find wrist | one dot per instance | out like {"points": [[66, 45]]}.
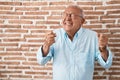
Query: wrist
{"points": [[103, 49], [45, 49]]}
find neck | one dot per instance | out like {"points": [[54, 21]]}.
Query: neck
{"points": [[70, 35]]}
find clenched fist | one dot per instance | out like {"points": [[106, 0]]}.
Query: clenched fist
{"points": [[103, 40], [49, 40]]}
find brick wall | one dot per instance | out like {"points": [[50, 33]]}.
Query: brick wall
{"points": [[24, 23]]}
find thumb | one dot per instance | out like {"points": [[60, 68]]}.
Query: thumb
{"points": [[53, 33]]}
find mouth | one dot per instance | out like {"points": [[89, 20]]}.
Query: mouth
{"points": [[68, 23]]}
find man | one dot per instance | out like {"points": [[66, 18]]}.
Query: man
{"points": [[74, 49]]}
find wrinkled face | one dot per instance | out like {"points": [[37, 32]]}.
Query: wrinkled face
{"points": [[72, 19]]}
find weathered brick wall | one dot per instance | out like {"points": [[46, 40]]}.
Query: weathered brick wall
{"points": [[24, 23]]}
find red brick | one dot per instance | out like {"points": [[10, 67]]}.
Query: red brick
{"points": [[102, 31], [59, 3], [107, 7], [1, 21], [30, 45], [33, 3], [20, 22], [16, 31], [86, 8], [3, 76], [92, 26], [114, 36], [116, 50], [10, 35], [40, 73], [91, 17], [32, 17], [115, 68], [53, 8], [113, 12], [19, 67], [42, 68], [114, 45], [14, 40], [102, 21], [26, 8], [9, 17], [37, 13], [36, 41], [114, 40], [114, 78], [11, 3], [54, 18], [89, 3], [11, 13], [111, 73], [29, 63], [47, 22], [93, 13], [9, 63], [9, 72], [56, 13], [32, 59], [99, 77], [34, 36], [11, 54], [14, 58], [8, 44], [5, 8], [29, 55], [113, 2], [1, 49], [34, 27], [115, 30], [113, 25], [10, 26], [2, 67], [109, 17], [55, 27], [20, 76], [43, 77], [17, 49]]}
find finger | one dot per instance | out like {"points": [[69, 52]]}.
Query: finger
{"points": [[52, 33]]}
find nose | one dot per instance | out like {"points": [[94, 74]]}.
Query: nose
{"points": [[68, 17]]}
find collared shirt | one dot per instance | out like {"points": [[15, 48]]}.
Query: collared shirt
{"points": [[74, 60]]}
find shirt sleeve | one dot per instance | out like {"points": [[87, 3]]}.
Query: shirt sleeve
{"points": [[101, 61], [43, 60]]}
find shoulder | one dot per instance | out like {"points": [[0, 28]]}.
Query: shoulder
{"points": [[89, 32]]}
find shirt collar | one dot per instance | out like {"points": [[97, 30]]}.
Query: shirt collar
{"points": [[79, 32]]}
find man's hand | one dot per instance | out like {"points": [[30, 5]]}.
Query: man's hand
{"points": [[103, 42], [49, 40]]}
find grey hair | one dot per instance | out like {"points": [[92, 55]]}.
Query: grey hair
{"points": [[81, 10]]}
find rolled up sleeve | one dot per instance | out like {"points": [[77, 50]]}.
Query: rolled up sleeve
{"points": [[108, 63], [43, 60], [98, 57]]}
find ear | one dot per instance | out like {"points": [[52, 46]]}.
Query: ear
{"points": [[83, 20]]}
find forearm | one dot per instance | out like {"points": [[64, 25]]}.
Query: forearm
{"points": [[45, 50]]}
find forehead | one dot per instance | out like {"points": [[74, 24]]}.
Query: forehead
{"points": [[73, 9]]}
